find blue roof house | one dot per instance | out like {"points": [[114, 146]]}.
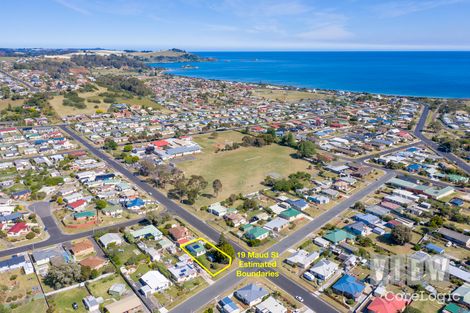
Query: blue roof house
{"points": [[228, 306], [300, 204], [413, 168], [358, 228], [434, 248], [349, 286], [368, 219], [134, 204]]}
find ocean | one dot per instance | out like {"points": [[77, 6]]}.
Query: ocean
{"points": [[428, 74]]}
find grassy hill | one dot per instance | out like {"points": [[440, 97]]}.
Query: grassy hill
{"points": [[168, 56]]}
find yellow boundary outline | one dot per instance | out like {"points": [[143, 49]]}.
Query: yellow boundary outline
{"points": [[198, 262]]}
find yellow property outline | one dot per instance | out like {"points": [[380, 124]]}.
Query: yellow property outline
{"points": [[198, 262]]}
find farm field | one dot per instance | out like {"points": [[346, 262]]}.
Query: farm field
{"points": [[241, 170]]}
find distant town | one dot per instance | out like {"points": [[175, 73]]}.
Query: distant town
{"points": [[124, 188]]}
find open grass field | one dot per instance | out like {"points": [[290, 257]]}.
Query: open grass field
{"points": [[63, 110], [241, 170], [288, 95], [92, 107], [15, 286], [63, 300], [14, 103], [38, 305]]}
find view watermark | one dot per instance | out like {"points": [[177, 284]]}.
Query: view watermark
{"points": [[409, 269]]}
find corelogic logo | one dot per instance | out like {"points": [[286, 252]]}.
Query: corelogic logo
{"points": [[415, 269]]}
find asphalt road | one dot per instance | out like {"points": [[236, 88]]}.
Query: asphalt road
{"points": [[59, 237], [418, 133], [171, 206], [284, 282]]}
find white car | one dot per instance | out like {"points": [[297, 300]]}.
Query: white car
{"points": [[299, 298]]}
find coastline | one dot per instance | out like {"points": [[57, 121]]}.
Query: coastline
{"points": [[419, 74], [170, 71]]}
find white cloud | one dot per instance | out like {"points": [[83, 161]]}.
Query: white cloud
{"points": [[405, 7], [327, 32], [72, 6]]}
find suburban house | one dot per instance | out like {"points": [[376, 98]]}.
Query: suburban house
{"points": [[152, 282], [128, 304], [257, 233], [338, 235], [302, 258], [348, 286], [388, 304], [196, 249], [251, 294], [270, 305], [83, 247], [94, 262], [17, 230], [455, 237], [110, 238], [148, 231], [291, 214], [276, 224], [179, 233], [226, 305], [217, 209], [182, 271], [324, 269]]}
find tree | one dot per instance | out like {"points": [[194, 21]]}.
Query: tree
{"points": [[127, 148], [217, 186], [359, 206], [4, 309], [101, 204], [289, 140], [401, 234], [63, 275], [158, 218], [435, 221], [110, 144], [306, 149], [411, 310], [30, 235]]}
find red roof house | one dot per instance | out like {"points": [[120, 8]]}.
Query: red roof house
{"points": [[77, 205], [388, 304], [18, 229], [160, 143]]}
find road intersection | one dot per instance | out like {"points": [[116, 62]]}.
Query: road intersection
{"points": [[230, 279]]}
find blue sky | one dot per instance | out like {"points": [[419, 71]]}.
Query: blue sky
{"points": [[203, 25]]}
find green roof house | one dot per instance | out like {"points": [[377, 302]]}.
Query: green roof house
{"points": [[257, 233], [454, 308], [338, 235], [146, 232], [290, 214], [84, 215]]}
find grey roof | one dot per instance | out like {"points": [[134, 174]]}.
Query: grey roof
{"points": [[250, 293], [48, 254]]}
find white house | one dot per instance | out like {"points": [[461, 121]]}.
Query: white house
{"points": [[152, 282], [324, 269]]}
